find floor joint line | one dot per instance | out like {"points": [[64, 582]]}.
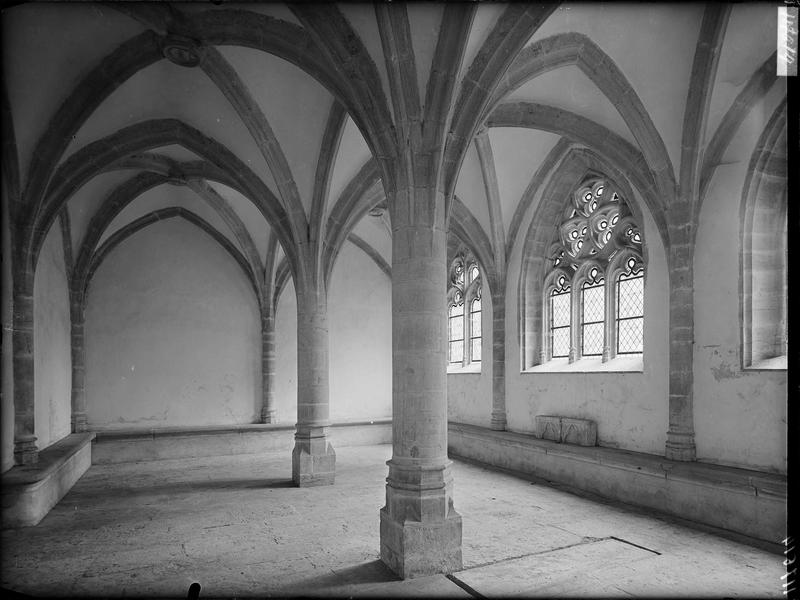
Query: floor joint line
{"points": [[466, 587]]}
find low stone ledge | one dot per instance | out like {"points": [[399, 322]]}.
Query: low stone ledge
{"points": [[30, 491], [751, 503], [135, 445]]}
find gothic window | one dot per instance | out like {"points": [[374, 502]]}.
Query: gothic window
{"points": [[464, 311], [594, 287], [764, 276]]}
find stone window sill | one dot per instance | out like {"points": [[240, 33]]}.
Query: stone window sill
{"points": [[632, 363], [470, 368], [777, 363]]}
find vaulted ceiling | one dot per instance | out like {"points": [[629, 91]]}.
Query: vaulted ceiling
{"points": [[233, 112]]}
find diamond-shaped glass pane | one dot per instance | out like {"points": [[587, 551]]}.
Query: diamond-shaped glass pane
{"points": [[560, 342], [629, 336], [559, 309], [457, 351], [594, 304], [630, 299], [592, 339], [476, 350], [457, 328]]}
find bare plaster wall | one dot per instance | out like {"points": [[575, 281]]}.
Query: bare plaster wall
{"points": [[51, 343], [739, 414], [630, 408], [360, 308], [360, 338], [286, 356], [173, 334], [7, 404], [469, 392]]}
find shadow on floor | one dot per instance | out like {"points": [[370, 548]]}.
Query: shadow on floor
{"points": [[191, 487], [369, 573]]}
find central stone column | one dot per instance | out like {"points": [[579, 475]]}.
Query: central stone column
{"points": [[313, 458], [420, 531]]}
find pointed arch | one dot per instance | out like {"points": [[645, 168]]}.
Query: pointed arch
{"points": [[93, 158], [572, 48], [163, 214]]}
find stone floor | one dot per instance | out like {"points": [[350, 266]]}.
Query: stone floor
{"points": [[237, 526]]}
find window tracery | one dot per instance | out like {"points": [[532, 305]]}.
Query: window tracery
{"points": [[594, 287], [464, 310]]}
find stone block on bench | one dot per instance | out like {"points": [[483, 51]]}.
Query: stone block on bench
{"points": [[566, 430], [581, 432], [548, 427]]}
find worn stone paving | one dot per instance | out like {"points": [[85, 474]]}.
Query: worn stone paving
{"points": [[236, 525]]}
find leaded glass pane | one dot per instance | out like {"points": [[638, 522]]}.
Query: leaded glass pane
{"points": [[476, 350], [457, 351], [457, 328], [629, 336], [594, 303], [592, 339], [475, 323], [559, 309], [560, 342], [630, 298]]}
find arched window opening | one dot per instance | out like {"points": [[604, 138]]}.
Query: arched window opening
{"points": [[475, 328], [596, 278], [593, 305], [560, 318], [764, 277], [464, 311], [630, 308], [456, 329]]}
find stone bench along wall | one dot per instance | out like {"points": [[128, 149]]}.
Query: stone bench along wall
{"points": [[30, 491], [169, 443], [747, 502]]}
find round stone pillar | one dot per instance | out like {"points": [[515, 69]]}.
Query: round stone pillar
{"points": [[313, 458], [419, 529]]}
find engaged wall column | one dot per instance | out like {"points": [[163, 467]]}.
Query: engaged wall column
{"points": [[79, 423], [268, 367], [25, 450]]}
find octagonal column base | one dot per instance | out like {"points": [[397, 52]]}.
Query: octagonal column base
{"points": [[415, 549], [313, 460]]}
